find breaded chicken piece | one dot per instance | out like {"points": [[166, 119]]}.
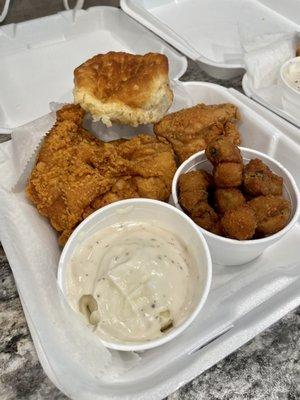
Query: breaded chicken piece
{"points": [[76, 173], [191, 129], [150, 170]]}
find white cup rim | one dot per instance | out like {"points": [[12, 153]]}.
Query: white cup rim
{"points": [[137, 346], [285, 82], [250, 242]]}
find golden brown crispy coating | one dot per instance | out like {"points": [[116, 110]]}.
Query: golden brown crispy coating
{"points": [[272, 213], [228, 199], [193, 189], [240, 223], [195, 180], [259, 180], [231, 133], [207, 218], [221, 150], [76, 173], [70, 112], [126, 88], [191, 129], [227, 175], [193, 195]]}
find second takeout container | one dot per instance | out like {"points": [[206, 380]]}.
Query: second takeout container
{"points": [[236, 252], [216, 34]]}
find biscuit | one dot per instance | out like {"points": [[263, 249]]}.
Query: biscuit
{"points": [[124, 88]]}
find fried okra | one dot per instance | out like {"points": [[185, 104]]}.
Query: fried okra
{"points": [[193, 189], [240, 223], [259, 180], [194, 180], [236, 202], [228, 175], [222, 150], [228, 199], [193, 195], [272, 213], [207, 218]]}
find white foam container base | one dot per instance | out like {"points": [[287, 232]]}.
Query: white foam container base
{"points": [[211, 32], [38, 57], [243, 299]]}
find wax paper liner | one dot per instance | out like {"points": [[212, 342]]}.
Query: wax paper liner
{"points": [[32, 248]]}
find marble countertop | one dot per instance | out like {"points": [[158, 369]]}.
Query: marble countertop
{"points": [[268, 367]]}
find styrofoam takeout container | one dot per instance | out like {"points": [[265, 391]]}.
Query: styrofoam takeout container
{"points": [[242, 301], [213, 33], [50, 48], [236, 252], [217, 34], [164, 216]]}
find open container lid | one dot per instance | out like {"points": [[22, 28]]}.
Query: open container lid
{"points": [[38, 57], [212, 33]]}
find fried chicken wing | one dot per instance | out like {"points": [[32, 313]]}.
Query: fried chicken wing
{"points": [[76, 173], [191, 129]]}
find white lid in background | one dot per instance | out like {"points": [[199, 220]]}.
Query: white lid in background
{"points": [[38, 57], [212, 31]]}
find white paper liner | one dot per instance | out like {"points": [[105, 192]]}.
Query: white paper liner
{"points": [[267, 44], [266, 56], [60, 328]]}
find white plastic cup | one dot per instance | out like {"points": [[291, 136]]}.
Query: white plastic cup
{"points": [[236, 252], [165, 216]]}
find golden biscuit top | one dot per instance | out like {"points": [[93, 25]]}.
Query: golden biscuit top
{"points": [[122, 77]]}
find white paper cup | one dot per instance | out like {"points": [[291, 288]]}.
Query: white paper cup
{"points": [[235, 252], [165, 216]]}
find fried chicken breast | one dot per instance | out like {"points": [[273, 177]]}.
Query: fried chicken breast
{"points": [[76, 173]]}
